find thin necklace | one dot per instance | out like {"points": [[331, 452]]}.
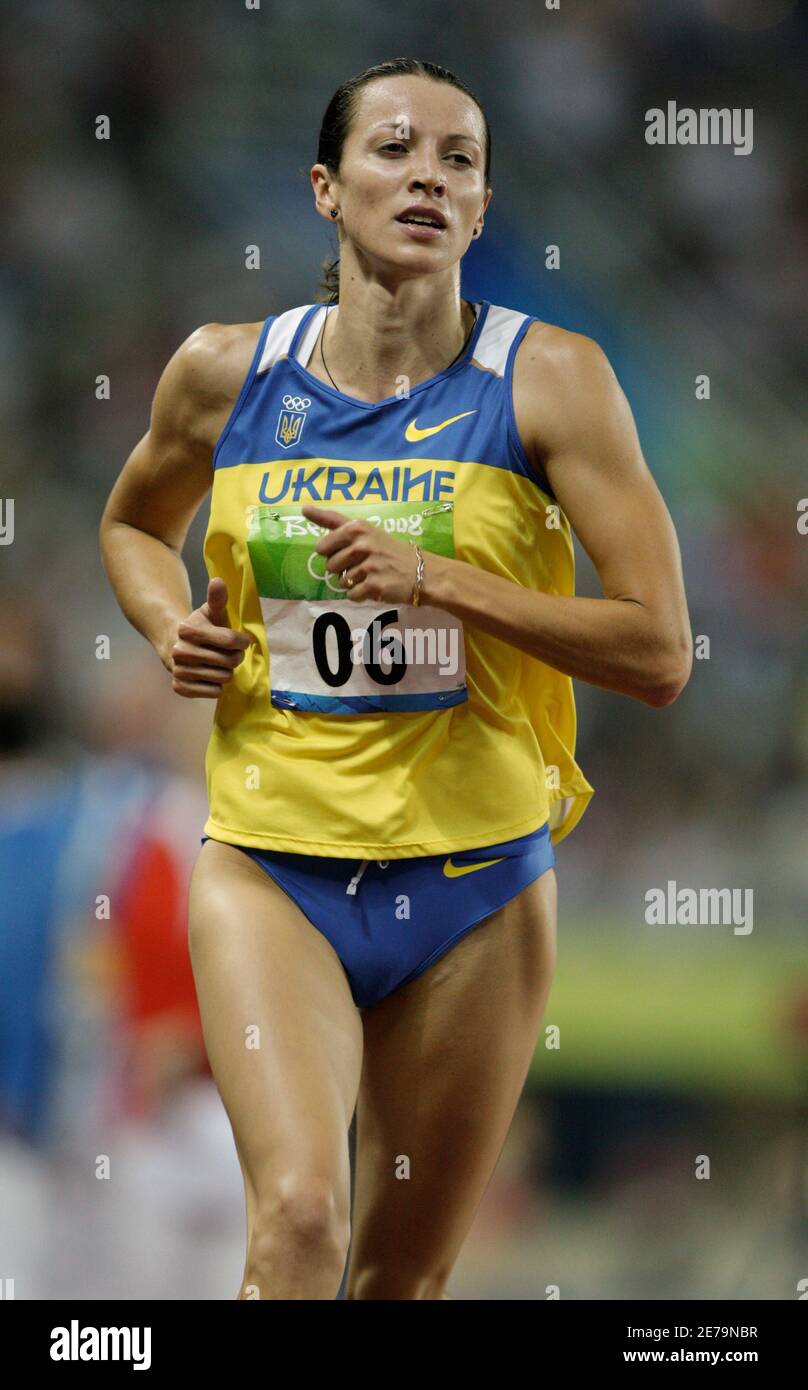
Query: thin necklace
{"points": [[451, 364]]}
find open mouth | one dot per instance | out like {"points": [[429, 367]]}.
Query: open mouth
{"points": [[421, 222], [424, 219]]}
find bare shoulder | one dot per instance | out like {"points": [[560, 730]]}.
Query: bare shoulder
{"points": [[547, 351], [560, 379], [201, 382], [216, 358]]}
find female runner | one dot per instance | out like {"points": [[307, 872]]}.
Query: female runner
{"points": [[390, 634]]}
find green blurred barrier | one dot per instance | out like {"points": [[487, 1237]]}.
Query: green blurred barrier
{"points": [[693, 1009]]}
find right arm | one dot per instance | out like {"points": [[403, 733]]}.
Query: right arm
{"points": [[154, 500]]}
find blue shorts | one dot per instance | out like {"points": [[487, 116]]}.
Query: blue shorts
{"points": [[389, 919]]}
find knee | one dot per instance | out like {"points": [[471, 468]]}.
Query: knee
{"points": [[302, 1212], [397, 1280]]}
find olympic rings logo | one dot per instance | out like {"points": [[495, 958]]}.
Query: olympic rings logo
{"points": [[296, 402], [328, 576]]}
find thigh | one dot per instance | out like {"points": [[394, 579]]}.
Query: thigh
{"points": [[445, 1061], [282, 1032]]}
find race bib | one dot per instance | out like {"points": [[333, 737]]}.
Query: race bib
{"points": [[330, 654]]}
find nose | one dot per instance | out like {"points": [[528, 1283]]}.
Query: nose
{"points": [[432, 181]]}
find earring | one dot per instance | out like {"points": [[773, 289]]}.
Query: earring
{"points": [[334, 212]]}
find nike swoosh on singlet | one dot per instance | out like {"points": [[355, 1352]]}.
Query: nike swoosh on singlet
{"points": [[413, 434], [455, 870]]}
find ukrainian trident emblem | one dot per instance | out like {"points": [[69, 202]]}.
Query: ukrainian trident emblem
{"points": [[290, 420]]}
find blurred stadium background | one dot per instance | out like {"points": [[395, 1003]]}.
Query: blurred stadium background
{"points": [[675, 1041]]}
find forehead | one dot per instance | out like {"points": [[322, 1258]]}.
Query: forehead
{"points": [[427, 104]]}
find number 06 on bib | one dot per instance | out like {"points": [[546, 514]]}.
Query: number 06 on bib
{"points": [[330, 654]]}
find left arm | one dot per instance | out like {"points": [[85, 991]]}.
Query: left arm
{"points": [[635, 640]]}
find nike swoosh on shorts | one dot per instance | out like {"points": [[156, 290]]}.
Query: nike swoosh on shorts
{"points": [[455, 870]]}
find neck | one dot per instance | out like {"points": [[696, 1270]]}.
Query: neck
{"points": [[378, 334]]}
